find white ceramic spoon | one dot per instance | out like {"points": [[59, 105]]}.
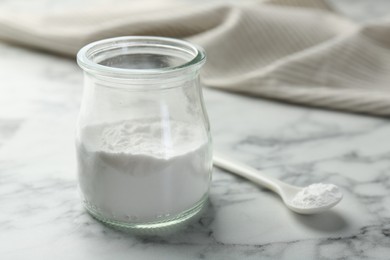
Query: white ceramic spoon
{"points": [[286, 192]]}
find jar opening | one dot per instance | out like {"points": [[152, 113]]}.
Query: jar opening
{"points": [[138, 56]]}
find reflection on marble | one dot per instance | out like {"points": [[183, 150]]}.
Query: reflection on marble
{"points": [[41, 214]]}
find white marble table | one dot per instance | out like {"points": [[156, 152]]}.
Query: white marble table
{"points": [[41, 216]]}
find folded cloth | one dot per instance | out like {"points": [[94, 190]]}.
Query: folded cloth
{"points": [[296, 51]]}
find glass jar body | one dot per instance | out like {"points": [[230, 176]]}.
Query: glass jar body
{"points": [[143, 149]]}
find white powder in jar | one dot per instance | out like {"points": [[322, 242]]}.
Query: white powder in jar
{"points": [[142, 171], [317, 195]]}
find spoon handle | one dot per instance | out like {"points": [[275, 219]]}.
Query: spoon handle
{"points": [[246, 172]]}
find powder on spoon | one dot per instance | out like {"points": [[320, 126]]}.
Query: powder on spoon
{"points": [[317, 195]]}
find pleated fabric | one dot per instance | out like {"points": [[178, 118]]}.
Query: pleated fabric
{"points": [[298, 51]]}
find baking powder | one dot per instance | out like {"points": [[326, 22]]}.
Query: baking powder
{"points": [[317, 195], [143, 170]]}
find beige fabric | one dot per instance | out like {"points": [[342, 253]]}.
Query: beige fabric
{"points": [[291, 50]]}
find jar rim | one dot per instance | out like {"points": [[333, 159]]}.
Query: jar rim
{"points": [[86, 53]]}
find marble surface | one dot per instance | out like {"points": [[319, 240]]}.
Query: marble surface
{"points": [[41, 216]]}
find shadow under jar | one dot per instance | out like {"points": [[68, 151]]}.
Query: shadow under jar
{"points": [[143, 137]]}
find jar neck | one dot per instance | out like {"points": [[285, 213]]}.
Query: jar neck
{"points": [[140, 84], [135, 62]]}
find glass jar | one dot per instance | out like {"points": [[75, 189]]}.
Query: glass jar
{"points": [[143, 137]]}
